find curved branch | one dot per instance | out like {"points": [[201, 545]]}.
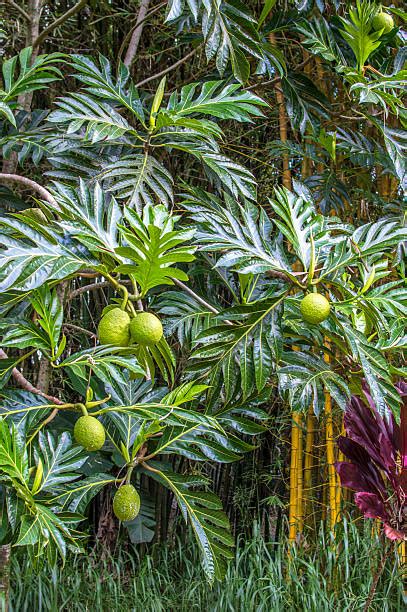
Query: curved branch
{"points": [[166, 70], [25, 384], [44, 193], [93, 287], [79, 329], [75, 9], [86, 288], [20, 9]]}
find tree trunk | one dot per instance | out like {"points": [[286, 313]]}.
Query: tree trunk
{"points": [[5, 554], [9, 166], [33, 30], [136, 36]]}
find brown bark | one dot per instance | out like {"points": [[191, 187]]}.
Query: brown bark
{"points": [[44, 375], [137, 32], [283, 124], [5, 553], [16, 178], [22, 382], [33, 30]]}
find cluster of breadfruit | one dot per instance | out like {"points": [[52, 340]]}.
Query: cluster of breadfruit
{"points": [[90, 433], [117, 328]]}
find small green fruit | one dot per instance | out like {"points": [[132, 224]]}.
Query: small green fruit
{"points": [[114, 328], [89, 433], [146, 329], [315, 308], [126, 503], [383, 21]]}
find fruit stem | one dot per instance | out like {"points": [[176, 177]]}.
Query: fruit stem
{"points": [[83, 409], [125, 293], [129, 473], [97, 402]]}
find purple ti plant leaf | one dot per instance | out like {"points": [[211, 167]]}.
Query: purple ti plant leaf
{"points": [[377, 468]]}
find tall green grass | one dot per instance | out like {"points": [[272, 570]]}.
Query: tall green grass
{"points": [[262, 578]]}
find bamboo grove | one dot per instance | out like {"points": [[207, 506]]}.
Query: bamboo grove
{"points": [[211, 164]]}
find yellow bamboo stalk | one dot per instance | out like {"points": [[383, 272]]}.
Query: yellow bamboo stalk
{"points": [[309, 458], [300, 484], [339, 491], [324, 502], [402, 551], [330, 457], [294, 472]]}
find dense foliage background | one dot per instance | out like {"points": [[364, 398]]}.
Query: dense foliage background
{"points": [[210, 162]]}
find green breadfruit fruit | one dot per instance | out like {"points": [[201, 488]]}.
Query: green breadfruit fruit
{"points": [[114, 328], [126, 503], [383, 21], [315, 308], [146, 329], [89, 433]]}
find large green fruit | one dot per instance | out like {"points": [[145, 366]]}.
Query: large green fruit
{"points": [[126, 503], [315, 308], [114, 328], [383, 21], [146, 329], [89, 433]]}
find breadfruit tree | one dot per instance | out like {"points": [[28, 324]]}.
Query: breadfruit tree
{"points": [[212, 301]]}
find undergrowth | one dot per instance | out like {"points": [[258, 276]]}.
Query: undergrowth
{"points": [[264, 577]]}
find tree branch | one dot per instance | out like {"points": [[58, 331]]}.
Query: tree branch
{"points": [[19, 9], [93, 287], [166, 70], [196, 297], [137, 32], [25, 384], [80, 329], [44, 193], [72, 11]]}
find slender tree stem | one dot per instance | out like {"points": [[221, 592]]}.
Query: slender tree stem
{"points": [[376, 578], [169, 69], [149, 468], [86, 288], [137, 32], [20, 9], [44, 193], [80, 329], [55, 24], [283, 123], [5, 553], [196, 297]]}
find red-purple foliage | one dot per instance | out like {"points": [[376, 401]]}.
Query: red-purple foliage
{"points": [[377, 471]]}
